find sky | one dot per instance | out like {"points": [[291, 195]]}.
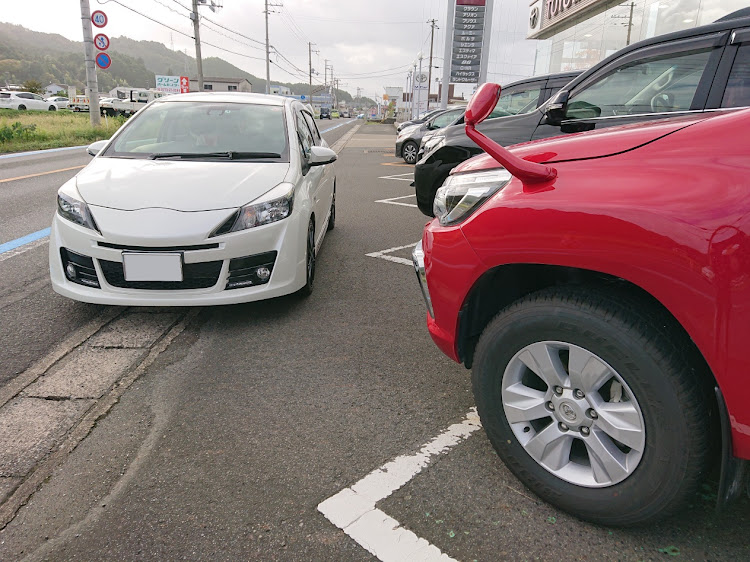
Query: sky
{"points": [[370, 43]]}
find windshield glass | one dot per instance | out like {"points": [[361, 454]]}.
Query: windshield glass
{"points": [[204, 128]]}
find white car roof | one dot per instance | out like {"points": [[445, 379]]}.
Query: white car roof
{"points": [[231, 97]]}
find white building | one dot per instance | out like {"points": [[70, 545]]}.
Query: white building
{"points": [[280, 90], [214, 84]]}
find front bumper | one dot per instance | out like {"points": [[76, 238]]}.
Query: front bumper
{"points": [[399, 148], [205, 263], [447, 268]]}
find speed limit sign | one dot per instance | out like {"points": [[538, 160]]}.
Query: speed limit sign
{"points": [[99, 18]]}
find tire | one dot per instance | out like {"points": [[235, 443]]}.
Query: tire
{"points": [[307, 289], [52, 108], [332, 214], [409, 152], [21, 107], [635, 358]]}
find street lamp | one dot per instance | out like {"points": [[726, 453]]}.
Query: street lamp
{"points": [[413, 83], [420, 56]]}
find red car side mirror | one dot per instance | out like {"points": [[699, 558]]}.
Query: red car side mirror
{"points": [[481, 105]]}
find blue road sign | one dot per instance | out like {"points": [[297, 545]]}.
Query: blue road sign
{"points": [[103, 60]]}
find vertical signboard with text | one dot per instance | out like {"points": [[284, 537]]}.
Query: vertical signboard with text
{"points": [[468, 41]]}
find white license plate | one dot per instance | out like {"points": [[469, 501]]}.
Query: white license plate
{"points": [[152, 266]]}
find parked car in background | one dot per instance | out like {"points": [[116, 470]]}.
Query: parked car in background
{"points": [[139, 226], [518, 98], [345, 114], [419, 120], [360, 116], [689, 71], [598, 286], [25, 100], [59, 101], [335, 113], [407, 141], [325, 112]]}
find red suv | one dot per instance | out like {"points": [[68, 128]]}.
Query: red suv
{"points": [[599, 286]]}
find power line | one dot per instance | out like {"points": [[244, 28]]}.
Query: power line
{"points": [[206, 26], [147, 17], [361, 21], [233, 31]]}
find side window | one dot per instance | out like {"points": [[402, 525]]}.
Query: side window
{"points": [[654, 85], [304, 135], [737, 93], [25, 96], [38, 97], [444, 120], [313, 128], [516, 101]]}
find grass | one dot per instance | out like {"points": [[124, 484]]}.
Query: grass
{"points": [[35, 130]]}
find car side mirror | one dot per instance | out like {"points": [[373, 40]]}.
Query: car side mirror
{"points": [[557, 108], [96, 147], [320, 155], [482, 103]]}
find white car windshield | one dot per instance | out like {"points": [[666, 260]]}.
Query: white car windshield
{"points": [[204, 130]]}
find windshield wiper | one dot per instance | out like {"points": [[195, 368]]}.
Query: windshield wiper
{"points": [[230, 155]]}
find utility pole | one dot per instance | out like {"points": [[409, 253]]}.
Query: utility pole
{"points": [[92, 87], [268, 54], [197, 34], [309, 53], [629, 24], [433, 24]]}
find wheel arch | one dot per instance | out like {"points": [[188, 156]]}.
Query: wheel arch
{"points": [[502, 285]]}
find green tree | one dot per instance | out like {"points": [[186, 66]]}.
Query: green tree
{"points": [[33, 86]]}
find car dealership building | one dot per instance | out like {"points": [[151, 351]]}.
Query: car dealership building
{"points": [[580, 33]]}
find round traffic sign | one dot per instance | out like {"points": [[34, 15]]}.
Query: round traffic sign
{"points": [[99, 18], [103, 60], [101, 42]]}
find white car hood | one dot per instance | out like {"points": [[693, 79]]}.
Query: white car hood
{"points": [[130, 184]]}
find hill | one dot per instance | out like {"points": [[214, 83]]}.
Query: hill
{"points": [[51, 58]]}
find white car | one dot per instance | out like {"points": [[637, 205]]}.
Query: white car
{"points": [[25, 100], [200, 199], [59, 101]]}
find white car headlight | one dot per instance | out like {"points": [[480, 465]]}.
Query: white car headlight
{"points": [[461, 194], [274, 205], [72, 207]]}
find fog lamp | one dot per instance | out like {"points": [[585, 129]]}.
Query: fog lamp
{"points": [[263, 273]]}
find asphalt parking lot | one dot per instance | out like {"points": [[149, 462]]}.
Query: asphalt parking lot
{"points": [[222, 432]]}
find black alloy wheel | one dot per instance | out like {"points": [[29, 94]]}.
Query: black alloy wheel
{"points": [[597, 402], [21, 107], [307, 289], [52, 108], [332, 215], [409, 152]]}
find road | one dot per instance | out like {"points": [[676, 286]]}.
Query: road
{"points": [[216, 433]]}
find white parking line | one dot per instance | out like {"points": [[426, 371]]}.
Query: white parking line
{"points": [[394, 201], [353, 509], [399, 177], [383, 254]]}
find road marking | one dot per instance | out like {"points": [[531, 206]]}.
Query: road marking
{"points": [[383, 255], [32, 152], [397, 164], [42, 173], [353, 509], [23, 244], [398, 177], [337, 126], [393, 201]]}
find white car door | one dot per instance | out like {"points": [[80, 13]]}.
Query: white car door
{"points": [[328, 178], [39, 103], [313, 175]]}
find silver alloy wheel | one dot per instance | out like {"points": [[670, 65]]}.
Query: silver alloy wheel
{"points": [[573, 414], [410, 152]]}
